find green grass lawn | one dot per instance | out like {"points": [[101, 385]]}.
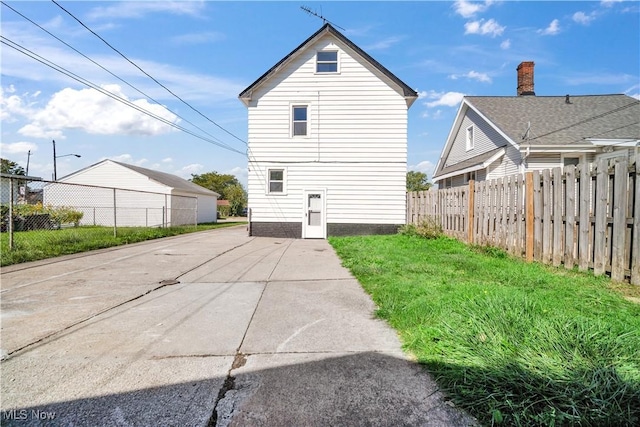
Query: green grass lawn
{"points": [[513, 343], [42, 244]]}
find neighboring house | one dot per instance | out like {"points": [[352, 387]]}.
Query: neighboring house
{"points": [[155, 198], [327, 143], [497, 136]]}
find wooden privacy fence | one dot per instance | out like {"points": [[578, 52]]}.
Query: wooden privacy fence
{"points": [[586, 215]]}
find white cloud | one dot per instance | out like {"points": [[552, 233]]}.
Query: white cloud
{"points": [[384, 44], [467, 9], [138, 9], [95, 113], [599, 78], [424, 166], [490, 27], [128, 159], [473, 75], [505, 44], [434, 115], [552, 29], [186, 171], [190, 85], [17, 147], [633, 91], [167, 160], [583, 18], [609, 3], [198, 38], [448, 99]]}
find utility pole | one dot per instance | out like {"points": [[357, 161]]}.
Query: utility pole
{"points": [[28, 158], [55, 174]]}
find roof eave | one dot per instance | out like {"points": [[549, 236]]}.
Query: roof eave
{"points": [[409, 94]]}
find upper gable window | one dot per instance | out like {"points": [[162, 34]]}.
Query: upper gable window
{"points": [[299, 122], [327, 62], [470, 142]]}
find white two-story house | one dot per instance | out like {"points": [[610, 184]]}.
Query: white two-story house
{"points": [[327, 143]]}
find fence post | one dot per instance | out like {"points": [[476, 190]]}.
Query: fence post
{"points": [[10, 225], [115, 215], [470, 217], [635, 233], [529, 215], [620, 194], [602, 181]]}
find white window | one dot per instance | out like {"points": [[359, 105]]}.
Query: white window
{"points": [[276, 181], [299, 120], [470, 138], [448, 182], [327, 62]]}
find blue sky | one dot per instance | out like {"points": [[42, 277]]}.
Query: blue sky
{"points": [[208, 52]]}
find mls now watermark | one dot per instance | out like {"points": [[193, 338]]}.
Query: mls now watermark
{"points": [[27, 414]]}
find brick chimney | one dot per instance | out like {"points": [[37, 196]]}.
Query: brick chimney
{"points": [[525, 78]]}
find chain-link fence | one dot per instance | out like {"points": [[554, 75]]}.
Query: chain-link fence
{"points": [[35, 209]]}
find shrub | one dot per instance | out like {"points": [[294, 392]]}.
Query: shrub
{"points": [[429, 228], [57, 214]]}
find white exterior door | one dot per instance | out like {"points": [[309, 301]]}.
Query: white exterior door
{"points": [[314, 224]]}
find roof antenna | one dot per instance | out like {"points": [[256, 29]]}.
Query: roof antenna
{"points": [[319, 15]]}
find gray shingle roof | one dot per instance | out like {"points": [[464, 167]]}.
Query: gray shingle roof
{"points": [[472, 162], [554, 122], [169, 180]]}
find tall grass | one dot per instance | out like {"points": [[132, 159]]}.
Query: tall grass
{"points": [[42, 244], [511, 342]]}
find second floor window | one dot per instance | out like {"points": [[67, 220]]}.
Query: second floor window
{"points": [[299, 124], [327, 62]]}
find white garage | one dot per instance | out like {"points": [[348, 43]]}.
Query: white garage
{"points": [[111, 192]]}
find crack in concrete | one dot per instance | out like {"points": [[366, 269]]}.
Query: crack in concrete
{"points": [[228, 396]]}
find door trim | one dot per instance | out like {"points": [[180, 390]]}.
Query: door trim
{"points": [[323, 193]]}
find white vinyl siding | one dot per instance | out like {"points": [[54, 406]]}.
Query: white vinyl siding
{"points": [[485, 138], [356, 147], [353, 116], [356, 193]]}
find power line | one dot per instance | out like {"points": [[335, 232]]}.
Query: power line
{"points": [[68, 73], [598, 116], [147, 74], [111, 73]]}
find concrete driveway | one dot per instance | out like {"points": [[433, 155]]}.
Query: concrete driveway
{"points": [[211, 328]]}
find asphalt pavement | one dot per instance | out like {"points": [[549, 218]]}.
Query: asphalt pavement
{"points": [[214, 328]]}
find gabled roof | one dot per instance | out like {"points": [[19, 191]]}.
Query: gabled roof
{"points": [[553, 121], [169, 180], [402, 87], [549, 121], [163, 178]]}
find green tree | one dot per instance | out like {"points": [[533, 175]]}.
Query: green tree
{"points": [[417, 181], [216, 182], [237, 198], [7, 166], [227, 186]]}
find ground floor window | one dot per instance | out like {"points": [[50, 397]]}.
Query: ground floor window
{"points": [[275, 181]]}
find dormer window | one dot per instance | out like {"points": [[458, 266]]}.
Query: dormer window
{"points": [[327, 62]]}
